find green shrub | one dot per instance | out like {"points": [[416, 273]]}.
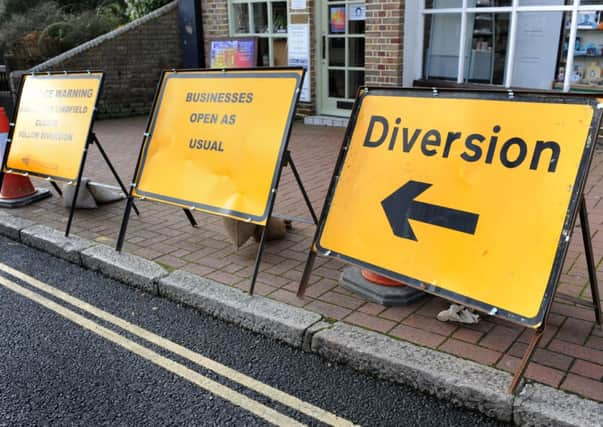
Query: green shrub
{"points": [[138, 8]]}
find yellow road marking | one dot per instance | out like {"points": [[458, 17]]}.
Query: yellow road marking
{"points": [[232, 374], [213, 387]]}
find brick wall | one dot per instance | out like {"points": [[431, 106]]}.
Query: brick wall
{"points": [[132, 58], [384, 42]]}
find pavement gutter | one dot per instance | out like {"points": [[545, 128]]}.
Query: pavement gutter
{"points": [[463, 382]]}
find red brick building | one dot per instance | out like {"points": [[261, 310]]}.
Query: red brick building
{"points": [[540, 44]]}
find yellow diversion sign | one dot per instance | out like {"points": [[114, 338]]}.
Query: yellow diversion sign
{"points": [[217, 139], [53, 121], [473, 199]]}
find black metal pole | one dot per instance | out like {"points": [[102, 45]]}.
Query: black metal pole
{"points": [[301, 187], [258, 258], [113, 171], [124, 224], [590, 261], [56, 187], [190, 217], [77, 186]]}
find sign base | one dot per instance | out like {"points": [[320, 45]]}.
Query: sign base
{"points": [[26, 200], [389, 296]]}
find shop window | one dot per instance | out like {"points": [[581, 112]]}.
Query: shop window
{"points": [[267, 20], [533, 44]]}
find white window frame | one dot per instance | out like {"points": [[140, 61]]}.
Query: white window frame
{"points": [[270, 34], [514, 10]]}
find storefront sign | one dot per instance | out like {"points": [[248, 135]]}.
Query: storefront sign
{"points": [[216, 140], [53, 122], [472, 199], [299, 54]]}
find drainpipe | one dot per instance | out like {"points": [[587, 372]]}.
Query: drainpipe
{"points": [[191, 33]]}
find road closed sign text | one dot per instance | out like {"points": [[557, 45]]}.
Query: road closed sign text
{"points": [[469, 198], [216, 140], [53, 121]]}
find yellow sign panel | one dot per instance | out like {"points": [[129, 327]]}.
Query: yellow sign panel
{"points": [[471, 199], [216, 140], [54, 117]]}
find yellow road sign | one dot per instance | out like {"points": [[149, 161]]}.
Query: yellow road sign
{"points": [[217, 139], [53, 122], [472, 199]]}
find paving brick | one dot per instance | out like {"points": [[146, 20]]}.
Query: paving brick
{"points": [[584, 386], [170, 261], [398, 314], [595, 342], [289, 298], [342, 300], [543, 356], [587, 369], [470, 351], [575, 331], [534, 371], [469, 335], [372, 308], [321, 287], [577, 351], [430, 324], [500, 338], [417, 336], [370, 322], [328, 310]]}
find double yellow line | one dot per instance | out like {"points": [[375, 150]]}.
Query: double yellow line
{"points": [[206, 383]]}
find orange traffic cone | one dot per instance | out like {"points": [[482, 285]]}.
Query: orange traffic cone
{"points": [[17, 190]]}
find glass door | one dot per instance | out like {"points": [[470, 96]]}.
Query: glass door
{"points": [[342, 49]]}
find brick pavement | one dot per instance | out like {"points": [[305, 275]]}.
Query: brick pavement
{"points": [[570, 356]]}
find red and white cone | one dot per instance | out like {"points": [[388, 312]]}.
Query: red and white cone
{"points": [[17, 190]]}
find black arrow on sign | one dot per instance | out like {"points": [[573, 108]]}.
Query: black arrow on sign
{"points": [[400, 206]]}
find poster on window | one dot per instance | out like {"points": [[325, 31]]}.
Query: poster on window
{"points": [[233, 53], [357, 12], [338, 19], [299, 54]]}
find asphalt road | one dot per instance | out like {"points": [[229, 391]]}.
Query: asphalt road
{"points": [[65, 362]]}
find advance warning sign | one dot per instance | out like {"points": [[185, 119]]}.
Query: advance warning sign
{"points": [[217, 139], [53, 121], [471, 199]]}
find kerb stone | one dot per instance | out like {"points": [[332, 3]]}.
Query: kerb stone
{"points": [[539, 405], [55, 243], [259, 314], [11, 226], [463, 382], [126, 268]]}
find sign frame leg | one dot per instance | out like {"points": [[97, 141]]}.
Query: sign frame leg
{"points": [[258, 257], [124, 223], [77, 185], [590, 261], [113, 171], [526, 360], [289, 162], [190, 217]]}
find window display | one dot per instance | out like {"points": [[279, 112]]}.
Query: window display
{"points": [[266, 20]]}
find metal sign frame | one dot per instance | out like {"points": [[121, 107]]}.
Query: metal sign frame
{"points": [[283, 159], [577, 205], [90, 139]]}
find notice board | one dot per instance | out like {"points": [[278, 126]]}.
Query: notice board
{"points": [[216, 140], [54, 114], [471, 196]]}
